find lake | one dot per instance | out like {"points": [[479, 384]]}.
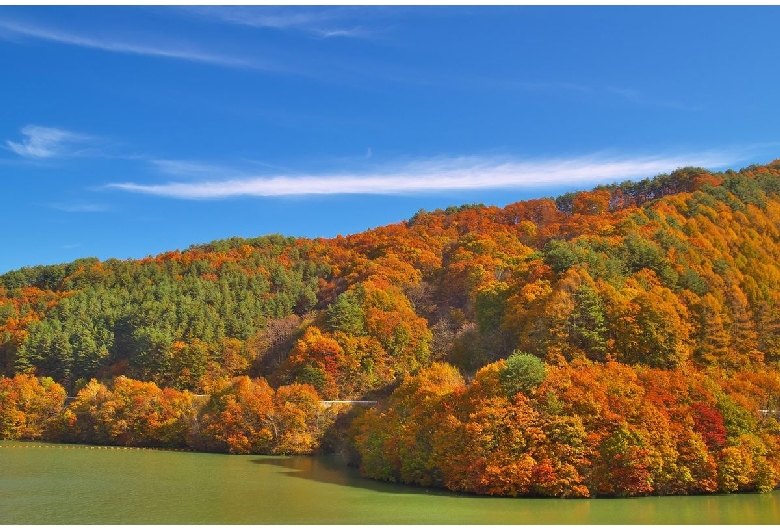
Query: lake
{"points": [[44, 483]]}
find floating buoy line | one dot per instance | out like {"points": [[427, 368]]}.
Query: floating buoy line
{"points": [[95, 447]]}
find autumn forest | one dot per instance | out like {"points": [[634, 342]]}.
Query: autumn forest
{"points": [[620, 341]]}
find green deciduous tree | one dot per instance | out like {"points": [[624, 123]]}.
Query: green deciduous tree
{"points": [[522, 372]]}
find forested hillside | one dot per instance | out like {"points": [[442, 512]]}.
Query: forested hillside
{"points": [[618, 341]]}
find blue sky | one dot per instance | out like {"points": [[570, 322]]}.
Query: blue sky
{"points": [[130, 131]]}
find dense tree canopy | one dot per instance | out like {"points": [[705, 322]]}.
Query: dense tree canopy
{"points": [[671, 281]]}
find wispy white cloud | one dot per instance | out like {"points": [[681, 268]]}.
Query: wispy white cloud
{"points": [[353, 32], [441, 174], [322, 22], [136, 48], [48, 142], [341, 21]]}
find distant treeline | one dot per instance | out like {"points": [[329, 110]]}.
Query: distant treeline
{"points": [[241, 416]]}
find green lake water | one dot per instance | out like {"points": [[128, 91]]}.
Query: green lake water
{"points": [[62, 484]]}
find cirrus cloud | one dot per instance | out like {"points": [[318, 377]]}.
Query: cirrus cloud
{"points": [[186, 53], [48, 142], [437, 175], [339, 21]]}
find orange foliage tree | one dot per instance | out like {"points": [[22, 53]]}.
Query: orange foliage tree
{"points": [[29, 407]]}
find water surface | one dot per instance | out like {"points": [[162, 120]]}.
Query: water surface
{"points": [[63, 484]]}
